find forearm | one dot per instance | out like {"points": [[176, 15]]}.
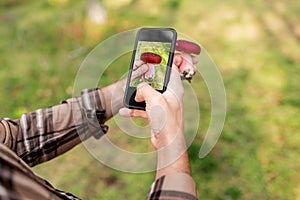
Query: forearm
{"points": [[43, 134], [173, 158], [112, 98], [173, 175]]}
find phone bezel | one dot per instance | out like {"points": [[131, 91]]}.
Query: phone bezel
{"points": [[151, 35]]}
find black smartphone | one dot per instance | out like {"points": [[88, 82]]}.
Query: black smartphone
{"points": [[155, 47]]}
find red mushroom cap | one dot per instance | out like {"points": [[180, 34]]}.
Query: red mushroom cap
{"points": [[188, 47], [149, 57]]}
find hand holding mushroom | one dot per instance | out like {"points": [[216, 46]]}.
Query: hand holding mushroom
{"points": [[188, 50], [187, 69]]}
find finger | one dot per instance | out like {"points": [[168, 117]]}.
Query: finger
{"points": [[175, 83], [137, 64], [125, 112], [177, 60], [145, 93], [139, 71]]}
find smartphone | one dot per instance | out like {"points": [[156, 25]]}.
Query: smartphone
{"points": [[155, 47]]}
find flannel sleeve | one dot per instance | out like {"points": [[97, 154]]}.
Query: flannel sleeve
{"points": [[179, 186], [18, 181], [46, 133]]}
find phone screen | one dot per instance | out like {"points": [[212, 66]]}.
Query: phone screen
{"points": [[154, 47], [156, 74]]}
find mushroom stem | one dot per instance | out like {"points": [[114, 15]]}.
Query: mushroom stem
{"points": [[187, 67], [187, 57], [151, 71]]}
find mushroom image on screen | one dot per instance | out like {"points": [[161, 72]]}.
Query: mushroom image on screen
{"points": [[187, 49], [152, 60]]}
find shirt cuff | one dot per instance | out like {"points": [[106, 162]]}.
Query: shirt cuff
{"points": [[94, 112], [179, 186]]}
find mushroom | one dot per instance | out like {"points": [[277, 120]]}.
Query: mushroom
{"points": [[187, 49], [151, 59]]}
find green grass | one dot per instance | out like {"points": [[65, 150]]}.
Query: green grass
{"points": [[256, 46]]}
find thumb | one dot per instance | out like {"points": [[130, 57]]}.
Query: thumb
{"points": [[177, 60], [145, 93]]}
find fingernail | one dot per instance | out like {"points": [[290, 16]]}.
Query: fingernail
{"points": [[177, 60], [144, 68], [123, 111]]}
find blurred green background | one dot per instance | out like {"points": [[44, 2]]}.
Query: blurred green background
{"points": [[256, 45]]}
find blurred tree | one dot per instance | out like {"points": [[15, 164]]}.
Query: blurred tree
{"points": [[96, 12]]}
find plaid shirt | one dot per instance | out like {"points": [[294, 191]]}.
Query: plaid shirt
{"points": [[46, 133]]}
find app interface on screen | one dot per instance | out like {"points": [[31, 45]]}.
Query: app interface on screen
{"points": [[155, 55]]}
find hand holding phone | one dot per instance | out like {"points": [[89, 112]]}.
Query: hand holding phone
{"points": [[154, 47], [164, 111]]}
